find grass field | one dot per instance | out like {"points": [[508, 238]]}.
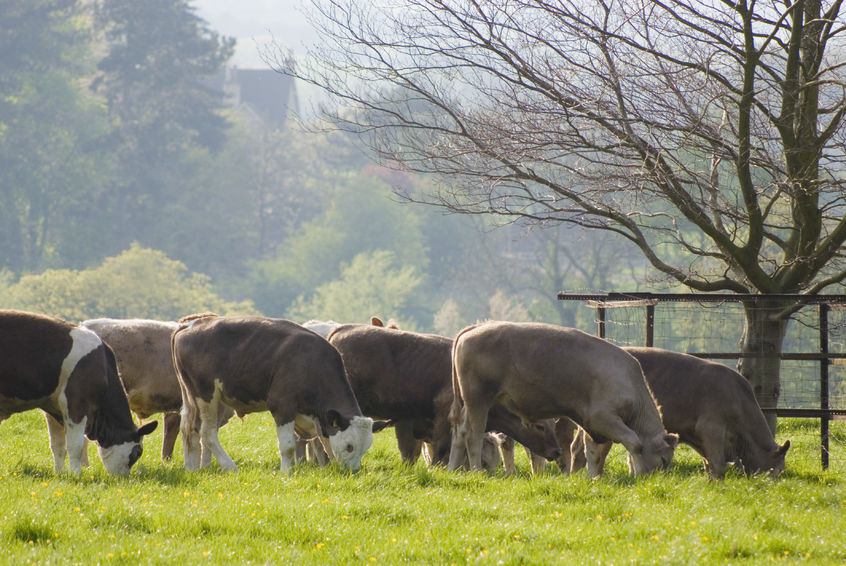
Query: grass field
{"points": [[393, 514]]}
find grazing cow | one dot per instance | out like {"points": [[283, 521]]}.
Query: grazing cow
{"points": [[406, 377], [713, 409], [263, 364], [67, 372], [541, 371], [145, 367]]}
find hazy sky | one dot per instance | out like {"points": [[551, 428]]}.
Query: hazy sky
{"points": [[258, 22]]}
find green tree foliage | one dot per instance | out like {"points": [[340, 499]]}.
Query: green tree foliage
{"points": [[448, 320], [360, 218], [140, 282], [154, 77], [50, 171], [372, 284]]}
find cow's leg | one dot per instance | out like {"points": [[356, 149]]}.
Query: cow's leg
{"points": [[171, 430], [75, 442], [577, 452], [300, 450], [507, 450], [57, 443], [409, 447], [537, 462], [209, 440], [441, 441], [287, 445], [595, 454], [564, 429], [610, 427], [189, 429], [315, 451], [474, 424], [715, 451]]}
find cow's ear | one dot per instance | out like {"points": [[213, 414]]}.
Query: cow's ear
{"points": [[672, 440], [381, 425], [782, 450], [147, 428], [337, 420], [376, 321]]}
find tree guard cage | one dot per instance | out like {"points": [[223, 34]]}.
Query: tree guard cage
{"points": [[825, 304]]}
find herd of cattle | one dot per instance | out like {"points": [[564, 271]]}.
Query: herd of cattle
{"points": [[565, 395]]}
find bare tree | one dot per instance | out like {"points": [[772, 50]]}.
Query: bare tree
{"points": [[708, 133]]}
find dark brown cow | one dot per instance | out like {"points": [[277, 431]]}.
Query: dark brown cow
{"points": [[145, 367], [264, 364], [405, 377], [541, 371], [67, 372], [713, 409]]}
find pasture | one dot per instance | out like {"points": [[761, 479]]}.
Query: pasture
{"points": [[393, 514]]}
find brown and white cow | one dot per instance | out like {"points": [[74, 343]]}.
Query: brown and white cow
{"points": [[713, 409], [540, 371], [67, 372], [405, 377], [263, 364], [145, 366]]}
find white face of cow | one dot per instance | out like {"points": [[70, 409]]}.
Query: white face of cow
{"points": [[118, 459], [350, 444]]}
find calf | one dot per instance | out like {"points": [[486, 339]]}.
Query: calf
{"points": [[145, 367], [713, 409], [67, 372], [263, 364], [406, 377], [541, 371]]}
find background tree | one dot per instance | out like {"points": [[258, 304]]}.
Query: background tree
{"points": [[155, 78], [371, 284], [710, 135], [139, 282], [50, 169]]}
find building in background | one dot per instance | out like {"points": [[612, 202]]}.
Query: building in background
{"points": [[265, 96]]}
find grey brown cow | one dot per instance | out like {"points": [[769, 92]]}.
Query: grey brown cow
{"points": [[145, 367], [713, 409], [405, 377], [71, 375], [265, 364], [541, 371]]}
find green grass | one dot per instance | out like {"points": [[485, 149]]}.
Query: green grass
{"points": [[392, 514]]}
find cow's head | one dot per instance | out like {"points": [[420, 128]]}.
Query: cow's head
{"points": [[656, 453], [349, 438], [778, 459], [772, 462], [119, 458]]}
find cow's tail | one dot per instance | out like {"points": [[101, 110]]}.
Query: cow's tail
{"points": [[188, 414], [457, 406]]}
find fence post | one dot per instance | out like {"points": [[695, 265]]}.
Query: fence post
{"points": [[600, 320], [824, 400], [650, 325]]}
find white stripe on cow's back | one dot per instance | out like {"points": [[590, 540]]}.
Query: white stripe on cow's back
{"points": [[85, 341]]}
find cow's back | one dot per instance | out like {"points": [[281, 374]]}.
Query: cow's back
{"points": [[689, 389], [145, 361], [248, 355], [394, 373], [544, 368], [33, 348]]}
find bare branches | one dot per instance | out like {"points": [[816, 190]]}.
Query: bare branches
{"points": [[707, 133]]}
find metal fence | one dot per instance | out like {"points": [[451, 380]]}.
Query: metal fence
{"points": [[813, 362]]}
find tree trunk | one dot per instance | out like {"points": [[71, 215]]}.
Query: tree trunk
{"points": [[762, 340]]}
